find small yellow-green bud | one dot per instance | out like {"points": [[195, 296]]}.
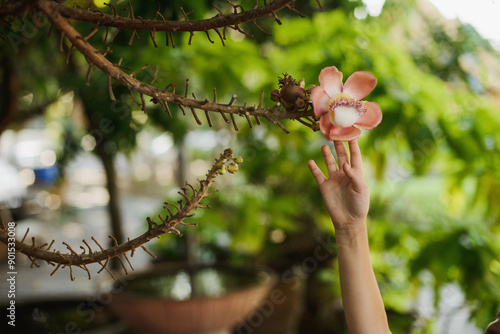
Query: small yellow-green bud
{"points": [[238, 160], [232, 168], [222, 169]]}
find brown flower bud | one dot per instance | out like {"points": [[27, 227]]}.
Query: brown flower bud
{"points": [[290, 93], [275, 95]]}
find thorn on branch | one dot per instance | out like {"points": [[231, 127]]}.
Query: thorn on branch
{"points": [[92, 33], [87, 270], [87, 77], [113, 9], [158, 13], [319, 4], [175, 206], [102, 249], [215, 95], [114, 240], [146, 250], [168, 86], [134, 33], [69, 53], [233, 98], [131, 12], [25, 234], [106, 35], [220, 36], [105, 266], [153, 37], [184, 194], [165, 206], [165, 107], [236, 128], [88, 246], [71, 249], [208, 36], [133, 96], [289, 6], [50, 246], [71, 272], [281, 126], [192, 188], [188, 224], [143, 102], [235, 7], [182, 109], [249, 121], [151, 224], [110, 89], [194, 113], [184, 16], [187, 88], [154, 76], [123, 265], [209, 120], [126, 258], [170, 35], [260, 28], [163, 220], [57, 267], [114, 35], [61, 42], [275, 17]]}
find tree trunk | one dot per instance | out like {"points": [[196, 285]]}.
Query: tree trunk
{"points": [[115, 216], [10, 92], [113, 207]]}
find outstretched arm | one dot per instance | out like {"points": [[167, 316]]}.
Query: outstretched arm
{"points": [[347, 199]]}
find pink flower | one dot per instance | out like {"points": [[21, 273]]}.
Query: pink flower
{"points": [[339, 109]]}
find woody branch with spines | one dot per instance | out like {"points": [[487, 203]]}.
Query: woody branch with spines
{"points": [[167, 224], [57, 15], [295, 102]]}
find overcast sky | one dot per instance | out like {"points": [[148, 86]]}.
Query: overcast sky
{"points": [[484, 15]]}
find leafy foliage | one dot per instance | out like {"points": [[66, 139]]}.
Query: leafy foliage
{"points": [[431, 163]]}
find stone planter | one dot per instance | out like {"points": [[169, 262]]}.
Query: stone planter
{"points": [[202, 300]]}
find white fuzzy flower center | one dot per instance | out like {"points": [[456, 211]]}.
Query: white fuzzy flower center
{"points": [[344, 116], [344, 110]]}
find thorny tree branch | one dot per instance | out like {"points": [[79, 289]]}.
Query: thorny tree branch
{"points": [[114, 71], [139, 24], [167, 225]]}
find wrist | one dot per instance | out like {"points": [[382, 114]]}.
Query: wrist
{"points": [[349, 234]]}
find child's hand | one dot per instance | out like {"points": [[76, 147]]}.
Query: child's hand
{"points": [[345, 193]]}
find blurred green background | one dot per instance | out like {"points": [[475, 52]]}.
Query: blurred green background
{"points": [[432, 164]]}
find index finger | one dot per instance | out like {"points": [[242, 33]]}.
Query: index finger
{"points": [[316, 172], [356, 160]]}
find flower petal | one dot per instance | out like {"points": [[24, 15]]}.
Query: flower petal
{"points": [[319, 99], [371, 118], [360, 84], [343, 134], [325, 125], [331, 80]]}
